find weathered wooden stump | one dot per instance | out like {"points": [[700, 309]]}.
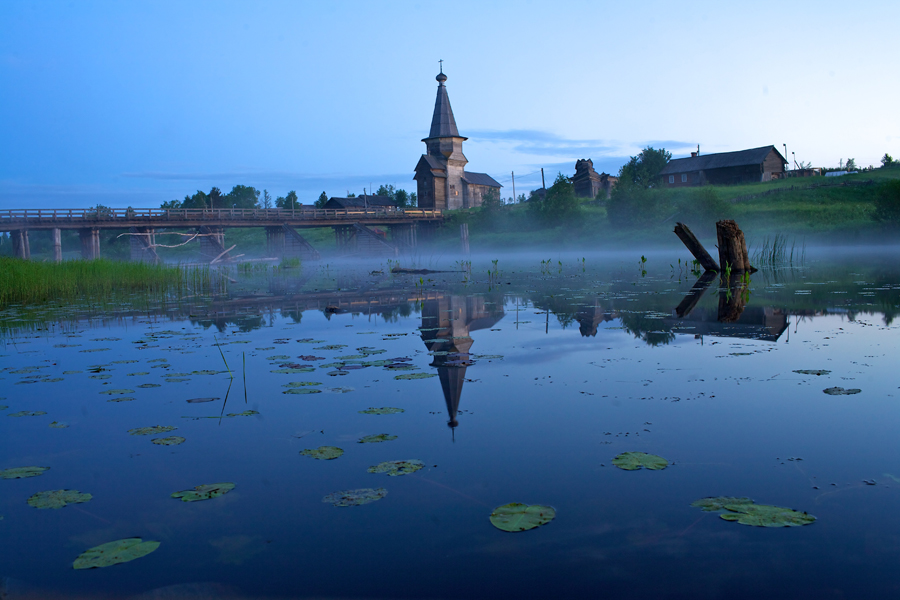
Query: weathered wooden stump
{"points": [[696, 248], [733, 297], [732, 247]]}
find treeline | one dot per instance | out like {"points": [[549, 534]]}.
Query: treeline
{"points": [[243, 196]]}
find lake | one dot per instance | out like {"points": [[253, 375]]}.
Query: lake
{"points": [[519, 381]]}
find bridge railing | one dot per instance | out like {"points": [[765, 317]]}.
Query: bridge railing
{"points": [[174, 215]]}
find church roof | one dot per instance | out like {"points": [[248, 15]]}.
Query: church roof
{"points": [[433, 162], [480, 179], [442, 122]]}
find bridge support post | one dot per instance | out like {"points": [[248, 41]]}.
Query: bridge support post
{"points": [[56, 237], [345, 236], [212, 241], [405, 236], [143, 246], [21, 247], [275, 247], [90, 243]]}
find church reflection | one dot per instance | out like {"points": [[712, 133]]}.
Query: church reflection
{"points": [[447, 324]]}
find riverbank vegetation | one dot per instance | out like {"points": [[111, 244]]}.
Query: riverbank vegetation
{"points": [[25, 282]]}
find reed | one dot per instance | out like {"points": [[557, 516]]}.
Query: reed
{"points": [[28, 282], [775, 252]]}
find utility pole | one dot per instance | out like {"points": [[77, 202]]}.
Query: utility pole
{"points": [[785, 151], [514, 186], [543, 185]]}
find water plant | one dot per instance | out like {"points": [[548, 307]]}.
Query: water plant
{"points": [[632, 461], [746, 512], [396, 468], [113, 553], [204, 492], [356, 497], [515, 516]]}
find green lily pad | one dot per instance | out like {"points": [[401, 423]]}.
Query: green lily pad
{"points": [[57, 498], [22, 472], [278, 357], [387, 410], [291, 371], [839, 391], [302, 391], [72, 372], [764, 515], [356, 497], [515, 517], [713, 504], [331, 347], [341, 390], [368, 350], [632, 461], [395, 468], [204, 492], [3, 407], [246, 413], [116, 392], [59, 425], [323, 452], [123, 362], [122, 399], [205, 372], [113, 553], [415, 376], [812, 371], [310, 341], [27, 413], [295, 384], [173, 440], [176, 379], [374, 439], [152, 430], [101, 376], [149, 385], [138, 374]]}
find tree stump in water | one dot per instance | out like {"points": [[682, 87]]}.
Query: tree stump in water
{"points": [[733, 297], [732, 247], [690, 241]]}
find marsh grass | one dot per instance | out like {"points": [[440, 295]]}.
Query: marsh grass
{"points": [[778, 252], [29, 282]]}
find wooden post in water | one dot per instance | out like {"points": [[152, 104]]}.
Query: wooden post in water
{"points": [[464, 237], [690, 240], [57, 244], [732, 247]]}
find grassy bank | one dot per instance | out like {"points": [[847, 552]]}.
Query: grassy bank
{"points": [[26, 282]]}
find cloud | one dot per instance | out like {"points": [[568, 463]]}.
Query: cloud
{"points": [[543, 143]]}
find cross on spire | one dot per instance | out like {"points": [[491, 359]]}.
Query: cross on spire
{"points": [[442, 65]]}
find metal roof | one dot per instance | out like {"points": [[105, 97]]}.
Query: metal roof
{"points": [[753, 156], [480, 179], [360, 202]]}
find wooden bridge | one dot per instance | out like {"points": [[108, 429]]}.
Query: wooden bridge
{"points": [[353, 228]]}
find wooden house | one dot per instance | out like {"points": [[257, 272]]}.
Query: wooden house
{"points": [[381, 202], [743, 166]]}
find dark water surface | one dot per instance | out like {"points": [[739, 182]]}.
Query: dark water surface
{"points": [[541, 374]]}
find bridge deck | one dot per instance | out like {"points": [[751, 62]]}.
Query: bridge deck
{"points": [[123, 218]]}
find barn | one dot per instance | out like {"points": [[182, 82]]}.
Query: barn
{"points": [[743, 166]]}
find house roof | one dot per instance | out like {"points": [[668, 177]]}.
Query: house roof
{"points": [[753, 156], [480, 179], [359, 202], [442, 122]]}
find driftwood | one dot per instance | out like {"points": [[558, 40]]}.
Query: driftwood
{"points": [[696, 248], [693, 297], [732, 247]]}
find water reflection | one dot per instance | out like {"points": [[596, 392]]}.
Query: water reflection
{"points": [[447, 322]]}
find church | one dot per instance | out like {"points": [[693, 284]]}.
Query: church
{"points": [[441, 176]]}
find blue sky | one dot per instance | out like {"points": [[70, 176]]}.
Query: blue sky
{"points": [[135, 103]]}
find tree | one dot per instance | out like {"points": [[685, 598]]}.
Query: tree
{"points": [[290, 201], [323, 198], [851, 164], [887, 160], [267, 199], [241, 196], [558, 204], [216, 200], [642, 170], [198, 200], [171, 204], [400, 197], [490, 201], [413, 199]]}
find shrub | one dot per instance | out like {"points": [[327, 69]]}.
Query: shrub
{"points": [[887, 202], [633, 206]]}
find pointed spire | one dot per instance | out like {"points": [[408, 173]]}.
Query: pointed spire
{"points": [[442, 122]]}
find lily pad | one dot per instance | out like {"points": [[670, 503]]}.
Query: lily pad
{"points": [[22, 472], [172, 440], [201, 400], [374, 439], [295, 384], [356, 497], [331, 347], [289, 371], [278, 357], [812, 371], [323, 452], [149, 385], [57, 498], [395, 468], [204, 492], [839, 391], [415, 376], [386, 410], [116, 392], [138, 374], [152, 430], [113, 553], [122, 399], [310, 341], [302, 391], [713, 504], [246, 413], [3, 407], [632, 461], [747, 512], [205, 372], [515, 517], [27, 413], [58, 425]]}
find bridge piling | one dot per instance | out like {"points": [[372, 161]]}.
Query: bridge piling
{"points": [[275, 242], [405, 235], [56, 237], [21, 247], [90, 243], [143, 246]]}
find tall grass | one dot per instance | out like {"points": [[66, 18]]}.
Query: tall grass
{"points": [[27, 282], [775, 252]]}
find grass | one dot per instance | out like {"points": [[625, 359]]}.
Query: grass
{"points": [[29, 282]]}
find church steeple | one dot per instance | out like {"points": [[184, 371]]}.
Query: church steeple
{"points": [[442, 122]]}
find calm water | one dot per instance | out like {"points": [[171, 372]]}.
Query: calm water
{"points": [[541, 373]]}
